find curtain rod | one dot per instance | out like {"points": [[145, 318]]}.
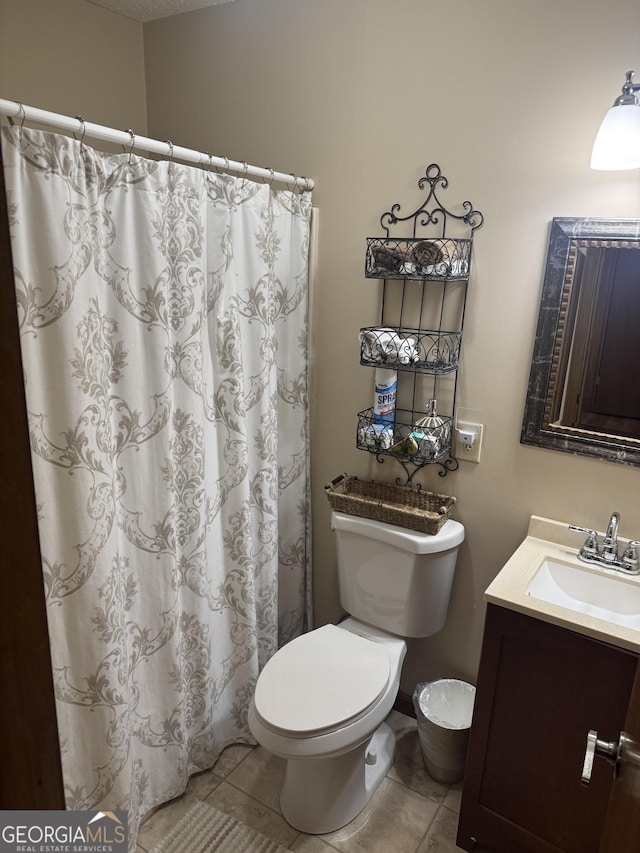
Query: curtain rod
{"points": [[131, 142]]}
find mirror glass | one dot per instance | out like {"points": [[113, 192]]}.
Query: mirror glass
{"points": [[584, 386]]}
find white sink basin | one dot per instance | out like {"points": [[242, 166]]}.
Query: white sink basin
{"points": [[601, 593]]}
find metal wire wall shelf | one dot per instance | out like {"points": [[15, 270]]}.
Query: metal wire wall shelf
{"points": [[417, 259], [417, 334], [422, 350], [402, 439]]}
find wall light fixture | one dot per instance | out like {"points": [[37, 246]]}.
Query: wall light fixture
{"points": [[617, 144]]}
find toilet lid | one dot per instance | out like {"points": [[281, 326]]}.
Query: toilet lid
{"points": [[320, 681]]}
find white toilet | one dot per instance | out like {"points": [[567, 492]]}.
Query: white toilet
{"points": [[322, 699]]}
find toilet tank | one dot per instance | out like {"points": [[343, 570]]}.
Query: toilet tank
{"points": [[394, 578]]}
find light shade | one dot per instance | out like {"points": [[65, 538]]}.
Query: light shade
{"points": [[617, 144]]}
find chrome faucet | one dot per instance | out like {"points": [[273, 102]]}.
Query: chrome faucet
{"points": [[610, 542], [608, 555]]}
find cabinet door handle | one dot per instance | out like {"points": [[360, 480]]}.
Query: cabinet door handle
{"points": [[607, 749]]}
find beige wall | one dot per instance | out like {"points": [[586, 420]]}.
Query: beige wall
{"points": [[74, 58], [506, 95]]}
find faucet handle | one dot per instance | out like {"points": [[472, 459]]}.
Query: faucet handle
{"points": [[590, 547], [630, 557]]}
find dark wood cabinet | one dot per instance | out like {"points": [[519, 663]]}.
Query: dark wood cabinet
{"points": [[541, 688], [622, 826]]}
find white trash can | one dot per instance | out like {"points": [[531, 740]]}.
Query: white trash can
{"points": [[444, 709]]}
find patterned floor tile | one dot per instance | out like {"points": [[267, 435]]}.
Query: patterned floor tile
{"points": [[441, 837], [395, 820], [260, 775]]}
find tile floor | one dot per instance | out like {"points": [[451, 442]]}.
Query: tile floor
{"points": [[409, 813]]}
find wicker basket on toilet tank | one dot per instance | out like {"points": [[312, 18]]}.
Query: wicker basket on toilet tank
{"points": [[415, 509]]}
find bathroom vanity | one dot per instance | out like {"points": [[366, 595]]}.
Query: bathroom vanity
{"points": [[559, 660]]}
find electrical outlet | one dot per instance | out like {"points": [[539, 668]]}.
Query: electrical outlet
{"points": [[468, 441]]}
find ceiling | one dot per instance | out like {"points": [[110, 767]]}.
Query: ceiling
{"points": [[150, 10]]}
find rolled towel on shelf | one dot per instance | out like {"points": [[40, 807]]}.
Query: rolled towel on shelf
{"points": [[374, 343], [406, 350], [385, 346], [448, 268], [377, 436]]}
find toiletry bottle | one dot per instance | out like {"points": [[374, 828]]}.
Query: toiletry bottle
{"points": [[384, 398]]}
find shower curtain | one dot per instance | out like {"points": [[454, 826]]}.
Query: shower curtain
{"points": [[163, 316]]}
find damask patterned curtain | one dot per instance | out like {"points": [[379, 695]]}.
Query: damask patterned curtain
{"points": [[163, 314]]}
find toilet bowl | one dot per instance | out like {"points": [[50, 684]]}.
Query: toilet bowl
{"points": [[321, 701], [321, 706]]}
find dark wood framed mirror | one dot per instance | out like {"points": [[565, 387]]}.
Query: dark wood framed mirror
{"points": [[584, 387]]}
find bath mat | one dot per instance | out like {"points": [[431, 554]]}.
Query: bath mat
{"points": [[205, 829]]}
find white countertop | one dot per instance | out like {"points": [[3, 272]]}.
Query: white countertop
{"points": [[553, 539]]}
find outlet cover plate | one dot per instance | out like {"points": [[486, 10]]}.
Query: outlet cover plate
{"points": [[466, 453]]}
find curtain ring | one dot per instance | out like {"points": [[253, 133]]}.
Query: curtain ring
{"points": [[220, 170], [210, 167], [170, 144], [23, 115], [133, 142], [272, 177], [83, 128]]}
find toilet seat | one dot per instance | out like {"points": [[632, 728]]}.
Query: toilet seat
{"points": [[321, 681]]}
